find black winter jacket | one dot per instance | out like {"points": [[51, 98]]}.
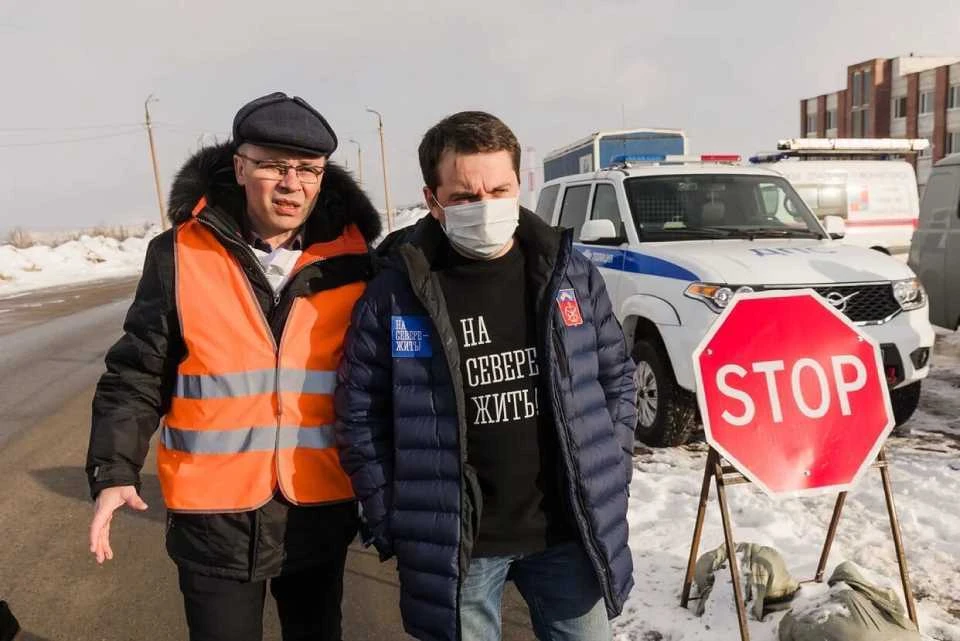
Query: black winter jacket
{"points": [[135, 392]]}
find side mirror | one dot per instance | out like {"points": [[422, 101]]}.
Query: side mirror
{"points": [[836, 227], [599, 232]]}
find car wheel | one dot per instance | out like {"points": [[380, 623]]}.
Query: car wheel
{"points": [[666, 413], [904, 401]]}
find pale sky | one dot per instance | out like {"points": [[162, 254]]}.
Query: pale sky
{"points": [[731, 73]]}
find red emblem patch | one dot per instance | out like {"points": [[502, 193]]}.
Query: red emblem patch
{"points": [[569, 308]]}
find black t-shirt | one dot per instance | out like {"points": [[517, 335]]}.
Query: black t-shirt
{"points": [[511, 439]]}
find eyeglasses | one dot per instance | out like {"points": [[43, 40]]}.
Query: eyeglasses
{"points": [[275, 170]]}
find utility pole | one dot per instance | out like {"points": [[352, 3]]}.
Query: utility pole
{"points": [[153, 158], [359, 162], [383, 162]]}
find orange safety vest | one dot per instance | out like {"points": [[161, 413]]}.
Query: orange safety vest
{"points": [[248, 415]]}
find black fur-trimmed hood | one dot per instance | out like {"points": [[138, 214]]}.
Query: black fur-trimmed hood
{"points": [[209, 173]]}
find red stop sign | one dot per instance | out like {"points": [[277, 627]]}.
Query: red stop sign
{"points": [[792, 393]]}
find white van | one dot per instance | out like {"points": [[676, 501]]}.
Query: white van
{"points": [[864, 181], [675, 241], [935, 251]]}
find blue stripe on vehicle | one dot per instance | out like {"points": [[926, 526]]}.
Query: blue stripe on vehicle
{"points": [[633, 262]]}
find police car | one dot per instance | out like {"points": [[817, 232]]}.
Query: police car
{"points": [[676, 238]]}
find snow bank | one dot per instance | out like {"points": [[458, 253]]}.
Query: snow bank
{"points": [[87, 259], [403, 218]]}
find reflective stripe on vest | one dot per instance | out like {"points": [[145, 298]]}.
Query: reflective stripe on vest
{"points": [[249, 416], [255, 382], [252, 439]]}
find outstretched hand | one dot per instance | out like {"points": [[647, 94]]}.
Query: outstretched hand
{"points": [[108, 501]]}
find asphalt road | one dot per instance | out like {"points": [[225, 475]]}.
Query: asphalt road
{"points": [[51, 353]]}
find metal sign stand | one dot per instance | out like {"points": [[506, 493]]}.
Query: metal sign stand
{"points": [[724, 475]]}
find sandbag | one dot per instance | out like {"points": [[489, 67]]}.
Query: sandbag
{"points": [[853, 609], [767, 583]]}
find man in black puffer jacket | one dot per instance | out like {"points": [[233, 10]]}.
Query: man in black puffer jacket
{"points": [[485, 407]]}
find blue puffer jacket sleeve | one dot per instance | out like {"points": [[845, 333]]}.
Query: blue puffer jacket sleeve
{"points": [[616, 368], [364, 427]]}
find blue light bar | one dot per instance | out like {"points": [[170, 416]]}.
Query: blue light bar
{"points": [[622, 158], [768, 157]]}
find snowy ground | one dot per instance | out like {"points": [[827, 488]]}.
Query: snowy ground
{"points": [[926, 479], [90, 258]]}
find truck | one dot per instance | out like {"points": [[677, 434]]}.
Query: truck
{"points": [[604, 148], [866, 181]]}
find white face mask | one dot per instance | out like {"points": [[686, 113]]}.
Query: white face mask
{"points": [[481, 229]]}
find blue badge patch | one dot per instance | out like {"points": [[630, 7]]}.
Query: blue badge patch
{"points": [[410, 337]]}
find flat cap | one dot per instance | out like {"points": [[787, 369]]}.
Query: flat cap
{"points": [[277, 120]]}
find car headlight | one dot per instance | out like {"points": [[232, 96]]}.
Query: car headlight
{"points": [[910, 294], [717, 297]]}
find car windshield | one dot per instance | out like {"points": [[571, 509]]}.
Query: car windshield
{"points": [[696, 206]]}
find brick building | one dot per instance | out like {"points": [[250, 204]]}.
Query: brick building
{"points": [[905, 97]]}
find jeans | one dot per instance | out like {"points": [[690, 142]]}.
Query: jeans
{"points": [[558, 584]]}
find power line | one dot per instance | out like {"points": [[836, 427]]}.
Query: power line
{"points": [[122, 130], [14, 130], [190, 130], [68, 140]]}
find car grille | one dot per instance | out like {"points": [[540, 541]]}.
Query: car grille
{"points": [[870, 303]]}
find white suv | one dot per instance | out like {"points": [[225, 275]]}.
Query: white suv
{"points": [[675, 241]]}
